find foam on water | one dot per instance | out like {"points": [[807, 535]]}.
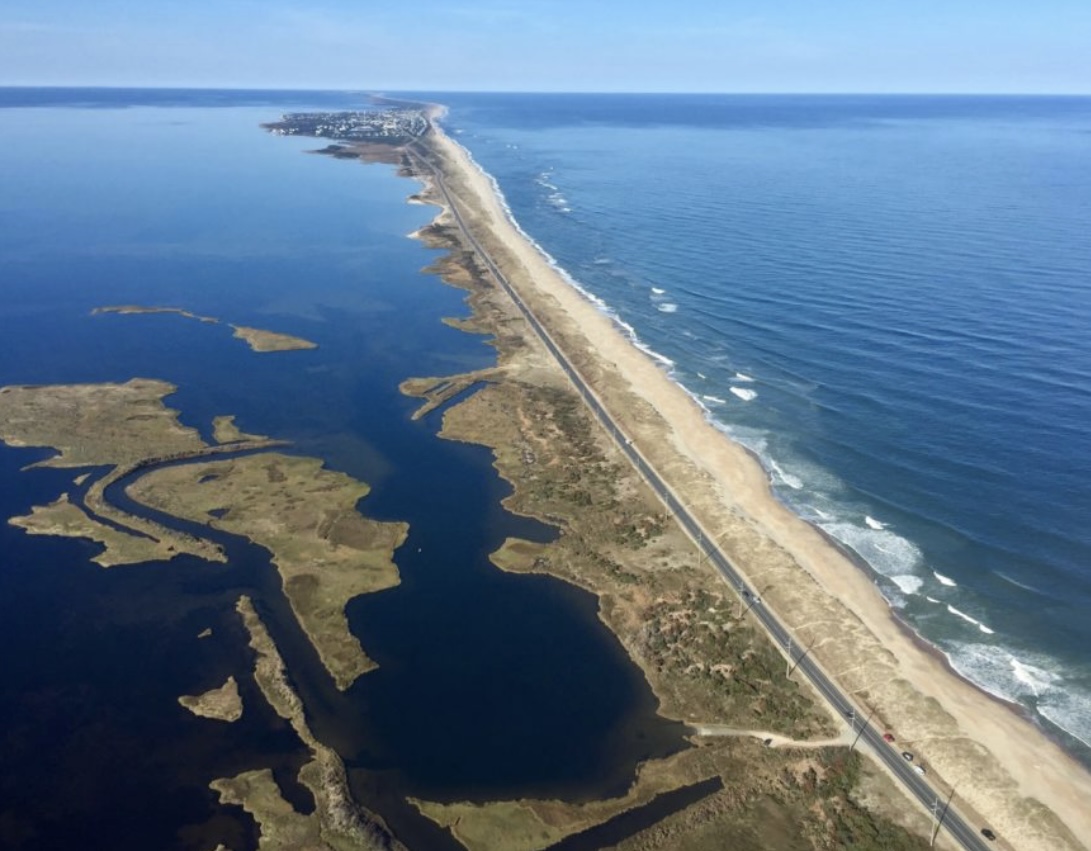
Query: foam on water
{"points": [[599, 303], [908, 583], [968, 618], [888, 553], [1018, 584], [667, 307], [658, 291], [543, 181], [714, 400], [559, 202], [1027, 678], [873, 523], [945, 580], [1069, 709], [779, 474], [745, 394], [740, 376]]}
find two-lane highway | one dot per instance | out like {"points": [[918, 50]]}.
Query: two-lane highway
{"points": [[916, 784]]}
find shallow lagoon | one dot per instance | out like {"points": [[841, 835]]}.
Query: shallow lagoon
{"points": [[491, 684]]}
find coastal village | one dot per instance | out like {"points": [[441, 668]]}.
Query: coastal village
{"points": [[392, 126]]}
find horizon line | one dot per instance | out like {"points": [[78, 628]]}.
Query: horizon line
{"points": [[635, 93]]}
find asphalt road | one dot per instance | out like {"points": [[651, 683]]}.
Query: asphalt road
{"points": [[917, 785]]}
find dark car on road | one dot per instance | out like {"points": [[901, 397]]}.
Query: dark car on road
{"points": [[907, 756], [988, 834]]}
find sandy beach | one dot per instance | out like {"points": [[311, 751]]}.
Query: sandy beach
{"points": [[1004, 771]]}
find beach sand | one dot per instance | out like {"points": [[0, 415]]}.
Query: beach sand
{"points": [[1004, 771]]}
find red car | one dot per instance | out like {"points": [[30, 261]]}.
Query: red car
{"points": [[888, 737]]}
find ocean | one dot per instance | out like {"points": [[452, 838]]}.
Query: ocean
{"points": [[888, 300]]}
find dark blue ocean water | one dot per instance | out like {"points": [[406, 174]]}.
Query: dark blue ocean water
{"points": [[886, 298]]}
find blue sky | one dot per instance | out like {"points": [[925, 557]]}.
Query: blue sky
{"points": [[553, 45]]}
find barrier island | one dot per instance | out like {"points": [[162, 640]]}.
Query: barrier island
{"points": [[668, 604]]}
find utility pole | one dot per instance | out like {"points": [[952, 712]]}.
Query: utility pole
{"points": [[937, 817], [802, 656], [852, 717]]}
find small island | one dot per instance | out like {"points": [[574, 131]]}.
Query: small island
{"points": [[136, 309], [220, 704], [259, 339], [271, 341]]}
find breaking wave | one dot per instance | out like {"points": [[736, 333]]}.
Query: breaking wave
{"points": [[969, 619], [1030, 679]]}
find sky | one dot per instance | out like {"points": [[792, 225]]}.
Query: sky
{"points": [[942, 46]]}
